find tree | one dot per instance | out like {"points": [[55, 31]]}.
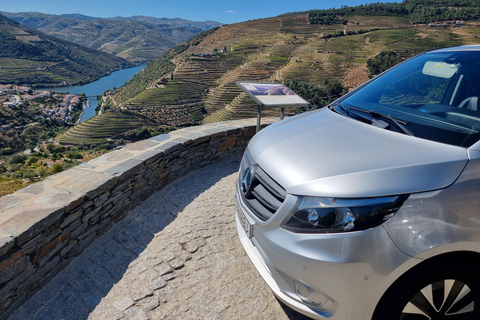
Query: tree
{"points": [[56, 168], [56, 156], [30, 145], [42, 171], [29, 174], [383, 61], [6, 150], [32, 161], [17, 174]]}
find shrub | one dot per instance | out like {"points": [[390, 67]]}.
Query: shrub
{"points": [[56, 168], [18, 159], [317, 96], [74, 155], [55, 149]]}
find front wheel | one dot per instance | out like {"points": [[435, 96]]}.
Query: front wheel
{"points": [[435, 293]]}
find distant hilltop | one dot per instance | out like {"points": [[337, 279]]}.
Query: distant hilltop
{"points": [[151, 36]]}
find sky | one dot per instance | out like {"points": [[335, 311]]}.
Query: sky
{"points": [[224, 11]]}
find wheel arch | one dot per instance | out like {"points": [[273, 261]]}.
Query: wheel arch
{"points": [[456, 259]]}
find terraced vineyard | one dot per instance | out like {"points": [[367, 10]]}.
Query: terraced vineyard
{"points": [[176, 93], [170, 116], [204, 70], [197, 81], [103, 128]]}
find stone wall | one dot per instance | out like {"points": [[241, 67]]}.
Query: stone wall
{"points": [[45, 225]]}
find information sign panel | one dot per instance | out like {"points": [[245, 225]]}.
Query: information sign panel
{"points": [[272, 94]]}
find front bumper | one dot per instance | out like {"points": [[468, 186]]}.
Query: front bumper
{"points": [[272, 278], [336, 276]]}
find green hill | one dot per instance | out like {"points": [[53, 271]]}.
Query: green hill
{"points": [[417, 11], [29, 57], [203, 72]]}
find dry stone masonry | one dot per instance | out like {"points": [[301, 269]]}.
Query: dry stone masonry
{"points": [[44, 226]]}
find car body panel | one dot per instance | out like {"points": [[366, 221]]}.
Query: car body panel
{"points": [[327, 154], [444, 218]]}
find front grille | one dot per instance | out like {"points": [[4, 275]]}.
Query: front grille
{"points": [[265, 195]]}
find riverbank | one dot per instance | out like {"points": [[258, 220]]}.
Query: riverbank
{"points": [[84, 106], [97, 88]]}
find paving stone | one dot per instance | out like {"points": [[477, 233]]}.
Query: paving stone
{"points": [[260, 304], [191, 246], [165, 255], [169, 276], [152, 279], [159, 314], [175, 248], [150, 303], [176, 263], [152, 259], [105, 312], [163, 269], [135, 313], [184, 256], [218, 306], [138, 267], [139, 290], [176, 256], [123, 303]]}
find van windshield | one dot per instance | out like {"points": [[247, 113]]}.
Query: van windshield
{"points": [[436, 94]]}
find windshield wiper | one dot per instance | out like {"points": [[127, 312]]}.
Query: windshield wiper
{"points": [[353, 114], [397, 123]]}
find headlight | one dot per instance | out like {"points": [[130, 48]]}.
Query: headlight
{"points": [[328, 215]]}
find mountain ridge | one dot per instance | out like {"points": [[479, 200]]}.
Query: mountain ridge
{"points": [[30, 57], [137, 39]]}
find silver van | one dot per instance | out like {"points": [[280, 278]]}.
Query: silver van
{"points": [[370, 208]]}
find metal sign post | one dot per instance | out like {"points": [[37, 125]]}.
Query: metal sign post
{"points": [[259, 117], [271, 95]]}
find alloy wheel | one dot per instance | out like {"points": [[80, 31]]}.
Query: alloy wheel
{"points": [[444, 299]]}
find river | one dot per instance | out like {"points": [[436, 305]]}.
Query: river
{"points": [[114, 80]]}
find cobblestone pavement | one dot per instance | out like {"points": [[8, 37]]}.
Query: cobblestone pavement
{"points": [[176, 256]]}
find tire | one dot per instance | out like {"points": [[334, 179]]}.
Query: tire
{"points": [[437, 292]]}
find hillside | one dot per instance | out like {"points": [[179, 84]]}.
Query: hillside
{"points": [[136, 39], [102, 128], [29, 57], [199, 77]]}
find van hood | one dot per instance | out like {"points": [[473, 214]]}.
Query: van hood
{"points": [[323, 153]]}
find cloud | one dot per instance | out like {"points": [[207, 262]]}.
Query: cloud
{"points": [[231, 11]]}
